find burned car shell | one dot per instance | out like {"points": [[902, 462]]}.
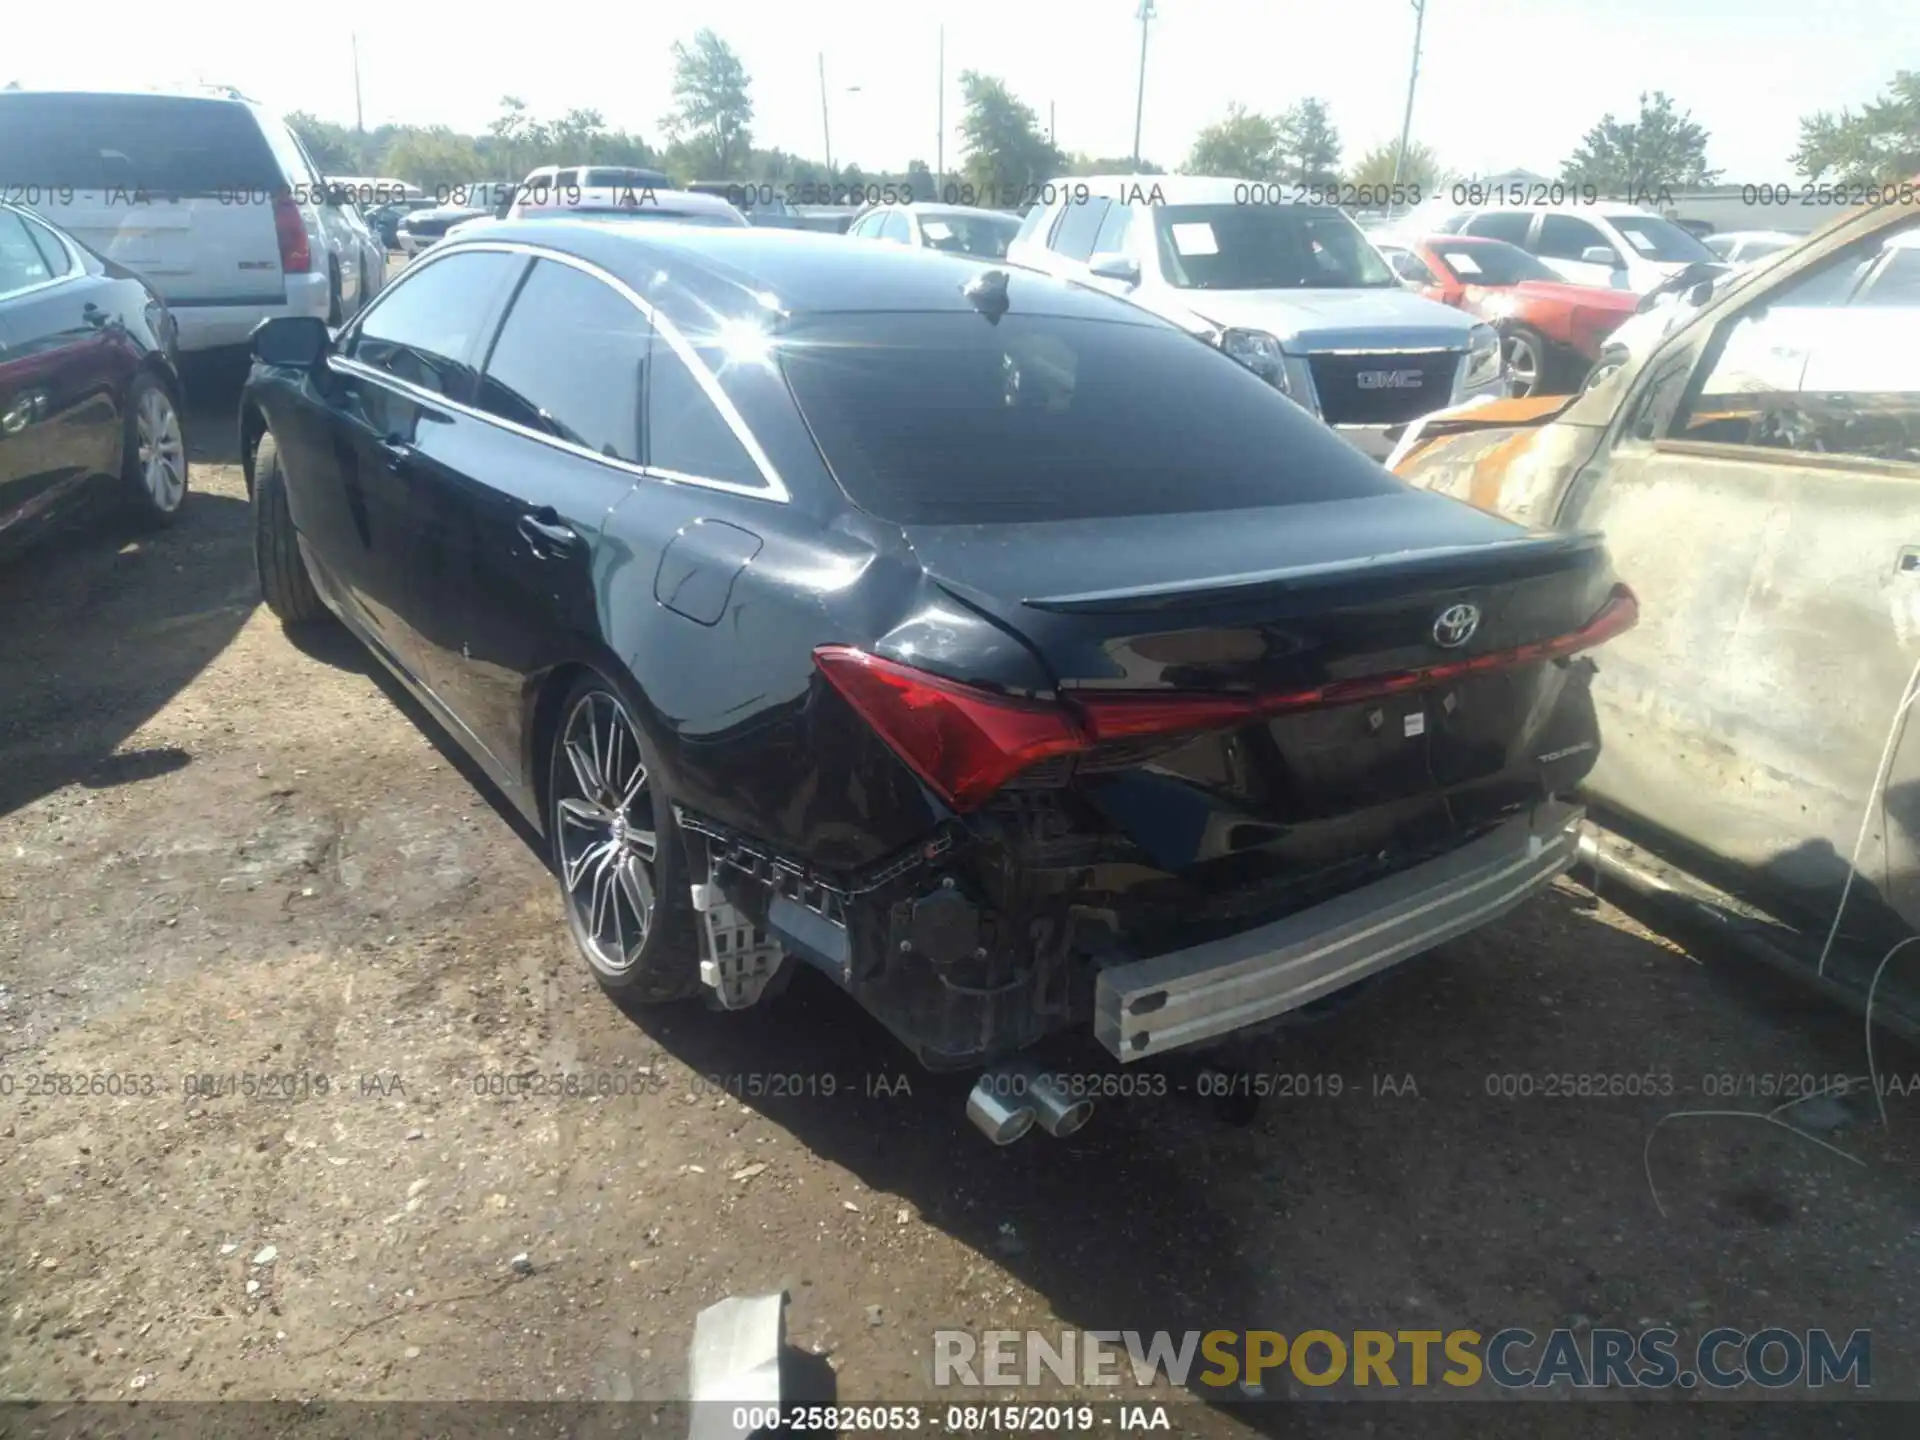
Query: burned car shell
{"points": [[1756, 718]]}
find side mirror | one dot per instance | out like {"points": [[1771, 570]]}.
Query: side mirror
{"points": [[1599, 255], [1111, 265], [296, 341], [1700, 294]]}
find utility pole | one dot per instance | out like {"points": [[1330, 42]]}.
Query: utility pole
{"points": [[359, 116], [826, 134], [940, 120], [1050, 124], [1140, 99], [1406, 123]]}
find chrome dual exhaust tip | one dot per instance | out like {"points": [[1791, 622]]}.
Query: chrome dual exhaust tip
{"points": [[1009, 1101]]}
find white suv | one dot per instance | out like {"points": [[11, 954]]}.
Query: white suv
{"points": [[1293, 291], [206, 195], [1621, 246]]}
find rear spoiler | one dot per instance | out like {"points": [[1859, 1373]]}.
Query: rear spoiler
{"points": [[1481, 413], [1504, 558]]}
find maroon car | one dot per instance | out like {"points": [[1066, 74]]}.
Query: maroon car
{"points": [[89, 387]]}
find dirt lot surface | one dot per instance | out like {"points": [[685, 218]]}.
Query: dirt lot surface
{"points": [[226, 855]]}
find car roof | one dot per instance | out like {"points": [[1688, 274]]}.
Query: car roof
{"points": [[634, 197], [925, 208], [727, 271]]}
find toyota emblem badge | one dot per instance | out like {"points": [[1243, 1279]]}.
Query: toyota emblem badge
{"points": [[1456, 625]]}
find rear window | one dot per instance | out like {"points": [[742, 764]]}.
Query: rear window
{"points": [[950, 419], [166, 145]]}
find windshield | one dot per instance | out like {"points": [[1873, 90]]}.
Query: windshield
{"points": [[1265, 247], [944, 418], [1655, 239], [984, 235], [1492, 262]]}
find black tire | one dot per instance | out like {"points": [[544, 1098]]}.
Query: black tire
{"points": [[284, 582], [366, 288], [335, 315], [1525, 346], [151, 406], [665, 965]]}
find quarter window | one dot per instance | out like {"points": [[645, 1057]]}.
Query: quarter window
{"points": [[52, 249], [686, 433], [895, 227], [1509, 225], [426, 329], [1080, 226], [1113, 231], [568, 362], [21, 264]]}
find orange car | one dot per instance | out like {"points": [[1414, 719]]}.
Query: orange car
{"points": [[1552, 328]]}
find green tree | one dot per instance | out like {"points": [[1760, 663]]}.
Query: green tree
{"points": [[920, 179], [1423, 167], [435, 157], [1662, 148], [1110, 165], [712, 115], [1244, 146], [336, 149], [1308, 148], [1004, 147], [1878, 146]]}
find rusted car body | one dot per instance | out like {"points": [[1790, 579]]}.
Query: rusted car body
{"points": [[1757, 476]]}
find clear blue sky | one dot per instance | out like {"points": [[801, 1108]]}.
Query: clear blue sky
{"points": [[1504, 83]]}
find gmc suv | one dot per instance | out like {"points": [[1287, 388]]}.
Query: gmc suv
{"points": [[1293, 291]]}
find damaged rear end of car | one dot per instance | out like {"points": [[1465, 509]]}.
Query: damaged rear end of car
{"points": [[1175, 747]]}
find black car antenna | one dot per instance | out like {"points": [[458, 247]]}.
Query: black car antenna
{"points": [[988, 294]]}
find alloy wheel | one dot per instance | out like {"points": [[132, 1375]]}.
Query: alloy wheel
{"points": [[162, 453], [605, 838], [1523, 365]]}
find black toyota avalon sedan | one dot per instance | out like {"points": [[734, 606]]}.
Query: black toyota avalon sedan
{"points": [[1013, 657]]}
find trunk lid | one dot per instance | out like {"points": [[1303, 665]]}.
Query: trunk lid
{"points": [[1325, 682]]}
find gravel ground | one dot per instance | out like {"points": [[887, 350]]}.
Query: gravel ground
{"points": [[224, 854]]}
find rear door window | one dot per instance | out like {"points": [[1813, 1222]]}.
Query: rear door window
{"points": [[895, 227], [429, 325], [568, 362], [950, 419], [166, 145]]}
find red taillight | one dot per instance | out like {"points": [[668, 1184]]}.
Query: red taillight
{"points": [[296, 255], [967, 743]]}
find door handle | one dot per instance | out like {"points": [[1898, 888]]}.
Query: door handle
{"points": [[1909, 561], [397, 454], [547, 534], [95, 316]]}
